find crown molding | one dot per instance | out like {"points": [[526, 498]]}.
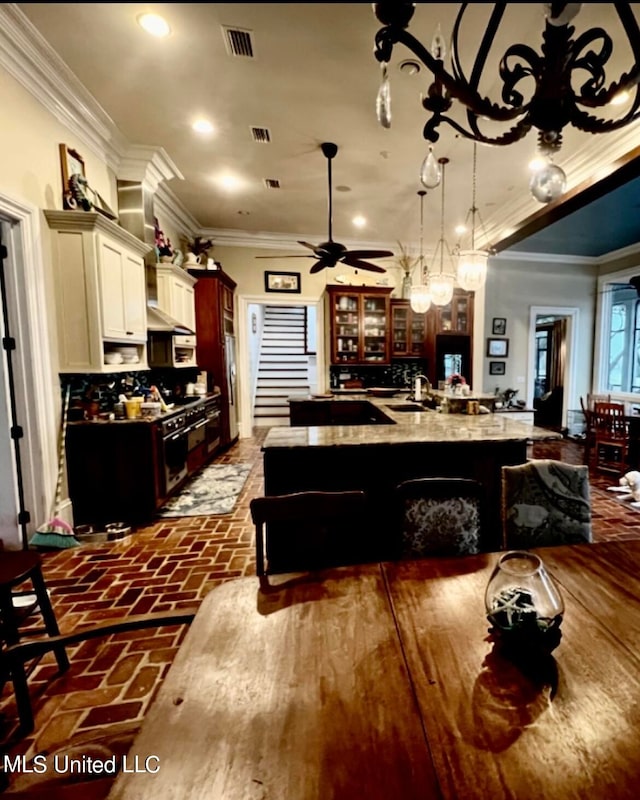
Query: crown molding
{"points": [[167, 205], [265, 240], [590, 162], [27, 57], [149, 164]]}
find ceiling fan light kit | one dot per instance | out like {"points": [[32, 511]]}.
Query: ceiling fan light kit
{"points": [[553, 104], [330, 253]]}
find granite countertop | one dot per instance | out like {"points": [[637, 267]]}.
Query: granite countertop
{"points": [[406, 428]]}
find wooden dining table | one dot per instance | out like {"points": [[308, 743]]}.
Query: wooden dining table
{"points": [[380, 681]]}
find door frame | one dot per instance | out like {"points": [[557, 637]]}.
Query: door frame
{"points": [[245, 423], [571, 314], [37, 389]]}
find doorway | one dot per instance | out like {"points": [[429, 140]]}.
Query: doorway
{"points": [[551, 373], [251, 315]]}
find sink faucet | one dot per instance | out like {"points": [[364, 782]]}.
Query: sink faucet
{"points": [[418, 380]]}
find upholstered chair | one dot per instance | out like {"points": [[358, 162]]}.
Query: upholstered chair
{"points": [[545, 503], [439, 517]]}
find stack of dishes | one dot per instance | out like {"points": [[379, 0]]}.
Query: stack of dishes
{"points": [[129, 354], [113, 358]]}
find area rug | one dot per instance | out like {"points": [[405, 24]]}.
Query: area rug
{"points": [[212, 490]]}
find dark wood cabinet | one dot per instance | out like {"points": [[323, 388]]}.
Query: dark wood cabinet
{"points": [[113, 471], [359, 320], [457, 316], [449, 341], [215, 333], [408, 331]]}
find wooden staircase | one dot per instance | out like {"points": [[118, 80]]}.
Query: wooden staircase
{"points": [[283, 368]]}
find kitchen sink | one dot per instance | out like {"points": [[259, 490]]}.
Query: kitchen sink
{"points": [[407, 407]]}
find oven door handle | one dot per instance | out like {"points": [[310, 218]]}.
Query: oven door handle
{"points": [[178, 435], [198, 425]]}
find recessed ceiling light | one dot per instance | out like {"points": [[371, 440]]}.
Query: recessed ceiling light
{"points": [[229, 182], [409, 67], [154, 24], [460, 229], [202, 126], [359, 221]]}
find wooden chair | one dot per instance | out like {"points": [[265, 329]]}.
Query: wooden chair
{"points": [[439, 517], [21, 642], [309, 530], [545, 503], [611, 435], [589, 429]]}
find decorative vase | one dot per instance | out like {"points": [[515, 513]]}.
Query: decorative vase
{"points": [[523, 603]]}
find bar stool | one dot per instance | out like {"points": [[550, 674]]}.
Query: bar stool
{"points": [[17, 567]]}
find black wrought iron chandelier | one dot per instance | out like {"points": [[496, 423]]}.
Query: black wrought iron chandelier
{"points": [[554, 103]]}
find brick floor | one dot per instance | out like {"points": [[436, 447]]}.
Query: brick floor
{"points": [[172, 564]]}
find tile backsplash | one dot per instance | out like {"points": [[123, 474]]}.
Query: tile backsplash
{"points": [[399, 373]]}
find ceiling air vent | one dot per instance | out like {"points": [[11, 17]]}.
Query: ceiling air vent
{"points": [[238, 42], [272, 183], [260, 134]]}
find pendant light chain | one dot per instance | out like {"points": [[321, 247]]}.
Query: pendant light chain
{"points": [[473, 199], [444, 163], [422, 194]]}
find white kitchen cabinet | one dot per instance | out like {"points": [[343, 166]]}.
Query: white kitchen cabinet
{"points": [[176, 297], [100, 288]]}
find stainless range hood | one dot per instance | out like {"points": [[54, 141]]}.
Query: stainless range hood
{"points": [[159, 321]]}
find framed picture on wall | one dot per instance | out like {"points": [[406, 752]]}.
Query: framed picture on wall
{"points": [[499, 327], [71, 163], [282, 282], [497, 348], [497, 368]]}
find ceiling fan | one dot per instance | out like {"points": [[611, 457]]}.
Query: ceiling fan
{"points": [[330, 253]]}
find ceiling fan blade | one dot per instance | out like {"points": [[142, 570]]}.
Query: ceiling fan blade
{"points": [[370, 253], [357, 264], [321, 264], [302, 255], [308, 244]]}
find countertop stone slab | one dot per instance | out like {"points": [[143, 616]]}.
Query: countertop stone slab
{"points": [[406, 428]]}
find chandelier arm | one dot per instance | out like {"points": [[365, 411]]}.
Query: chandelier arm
{"points": [[468, 96], [514, 134], [592, 62], [485, 45], [590, 124], [627, 82]]}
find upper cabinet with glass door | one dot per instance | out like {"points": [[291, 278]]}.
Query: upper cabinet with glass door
{"points": [[359, 318], [457, 316], [408, 331]]}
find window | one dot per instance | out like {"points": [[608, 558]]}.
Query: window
{"points": [[622, 340], [542, 340]]}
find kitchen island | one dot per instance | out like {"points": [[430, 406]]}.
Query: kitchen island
{"points": [[376, 457]]}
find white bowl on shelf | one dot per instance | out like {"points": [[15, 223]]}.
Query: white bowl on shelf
{"points": [[113, 358]]}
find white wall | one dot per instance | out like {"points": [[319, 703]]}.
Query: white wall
{"points": [[254, 339], [514, 286]]}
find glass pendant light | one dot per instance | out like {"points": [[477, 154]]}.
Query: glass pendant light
{"points": [[420, 297], [383, 100], [430, 172], [548, 182], [472, 263], [442, 283]]}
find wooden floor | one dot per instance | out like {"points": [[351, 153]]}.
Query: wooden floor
{"points": [[171, 564]]}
